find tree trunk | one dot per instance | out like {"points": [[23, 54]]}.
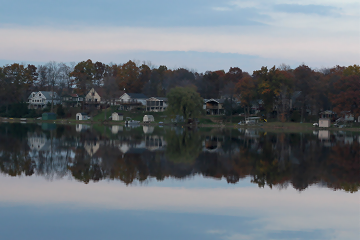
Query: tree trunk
{"points": [[52, 99], [302, 112]]}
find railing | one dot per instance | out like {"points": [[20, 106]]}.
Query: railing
{"points": [[213, 107]]}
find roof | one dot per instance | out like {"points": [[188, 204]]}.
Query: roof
{"points": [[327, 112], [120, 114], [47, 94], [216, 100], [99, 91], [136, 95], [158, 98]]}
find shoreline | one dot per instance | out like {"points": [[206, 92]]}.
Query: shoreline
{"points": [[266, 126]]}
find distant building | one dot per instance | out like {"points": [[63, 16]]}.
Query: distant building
{"points": [[156, 104], [82, 116], [94, 98], [117, 116], [324, 122], [72, 100], [214, 106], [128, 101], [148, 118], [39, 100]]}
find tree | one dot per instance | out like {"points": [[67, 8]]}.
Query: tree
{"points": [[185, 101], [347, 97], [246, 90], [304, 80], [83, 76], [53, 74], [60, 111]]}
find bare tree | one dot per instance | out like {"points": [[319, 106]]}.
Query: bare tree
{"points": [[65, 74], [53, 75]]}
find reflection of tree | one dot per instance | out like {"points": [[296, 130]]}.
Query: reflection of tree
{"points": [[183, 147], [344, 163], [268, 158]]}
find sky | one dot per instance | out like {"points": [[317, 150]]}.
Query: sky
{"points": [[203, 35]]}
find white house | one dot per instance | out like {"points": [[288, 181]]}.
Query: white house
{"points": [[148, 118], [156, 104], [128, 101], [324, 122], [38, 100], [117, 116], [82, 116]]}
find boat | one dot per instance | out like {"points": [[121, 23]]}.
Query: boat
{"points": [[130, 121]]}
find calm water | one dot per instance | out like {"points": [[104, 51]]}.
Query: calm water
{"points": [[101, 182]]}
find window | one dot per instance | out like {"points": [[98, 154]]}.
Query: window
{"points": [[93, 94], [33, 94]]}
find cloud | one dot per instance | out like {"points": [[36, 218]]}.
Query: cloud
{"points": [[307, 9], [318, 48], [315, 209]]}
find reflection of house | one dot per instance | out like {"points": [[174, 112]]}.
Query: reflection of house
{"points": [[42, 98], [92, 147], [37, 142], [154, 142], [212, 143], [116, 128], [148, 129], [129, 101], [156, 104], [324, 135], [81, 127], [214, 106]]}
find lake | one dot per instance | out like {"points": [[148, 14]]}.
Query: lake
{"points": [[112, 182]]}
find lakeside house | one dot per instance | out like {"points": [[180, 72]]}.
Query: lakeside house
{"points": [[117, 116], [72, 100], [82, 116], [214, 106], [156, 104], [39, 100], [128, 101], [93, 98]]}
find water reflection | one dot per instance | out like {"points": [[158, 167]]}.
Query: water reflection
{"points": [[91, 153]]}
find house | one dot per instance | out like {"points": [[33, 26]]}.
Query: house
{"points": [[214, 106], [72, 100], [117, 116], [328, 114], [128, 101], [94, 98], [82, 116], [324, 122], [148, 118], [39, 100], [156, 104]]}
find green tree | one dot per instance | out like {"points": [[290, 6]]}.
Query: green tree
{"points": [[183, 147], [185, 101]]}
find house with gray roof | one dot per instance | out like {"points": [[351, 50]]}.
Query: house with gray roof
{"points": [[156, 104], [128, 101], [39, 100]]}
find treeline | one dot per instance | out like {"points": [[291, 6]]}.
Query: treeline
{"points": [[336, 88]]}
